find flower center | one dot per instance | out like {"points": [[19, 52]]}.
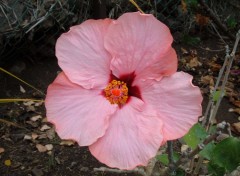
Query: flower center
{"points": [[116, 92]]}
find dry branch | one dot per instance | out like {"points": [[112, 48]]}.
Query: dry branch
{"points": [[215, 19]]}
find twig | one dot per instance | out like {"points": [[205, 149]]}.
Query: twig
{"points": [[150, 166], [11, 124], [6, 17], [221, 126], [218, 33], [7, 72], [215, 19], [230, 58], [139, 171], [199, 148], [226, 66], [136, 5], [40, 20]]}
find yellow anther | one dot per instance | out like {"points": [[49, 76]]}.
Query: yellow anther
{"points": [[116, 92]]}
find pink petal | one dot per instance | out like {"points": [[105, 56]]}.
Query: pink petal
{"points": [[82, 56], [79, 114], [136, 42], [133, 137], [177, 101], [165, 65]]}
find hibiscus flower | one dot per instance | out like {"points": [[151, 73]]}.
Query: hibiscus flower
{"points": [[119, 92]]}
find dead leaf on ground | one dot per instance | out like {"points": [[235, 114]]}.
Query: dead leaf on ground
{"points": [[237, 110], [67, 142], [44, 120], [35, 118], [184, 51], [236, 103], [28, 103], [45, 127], [8, 162], [41, 148], [207, 80], [184, 6], [30, 108], [214, 66], [34, 136], [49, 147], [22, 89], [42, 136], [38, 103], [27, 137], [184, 148], [2, 150], [194, 62], [50, 133], [201, 20], [236, 127]]}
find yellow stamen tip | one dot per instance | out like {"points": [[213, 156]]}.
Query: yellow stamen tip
{"points": [[116, 92]]}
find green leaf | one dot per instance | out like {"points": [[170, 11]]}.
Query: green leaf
{"points": [[191, 40], [192, 3], [164, 158], [180, 172], [231, 22], [216, 170], [225, 156], [217, 95], [196, 134], [208, 150]]}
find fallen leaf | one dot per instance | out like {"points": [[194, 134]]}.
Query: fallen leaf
{"points": [[67, 142], [8, 162], [34, 136], [184, 51], [35, 118], [222, 136], [28, 103], [45, 127], [27, 137], [30, 108], [42, 136], [2, 150], [184, 6], [194, 62], [237, 110], [236, 103], [44, 120], [215, 67], [41, 148], [207, 80], [49, 147], [22, 89], [201, 20], [37, 172], [236, 127], [184, 148], [38, 103], [50, 133], [33, 124]]}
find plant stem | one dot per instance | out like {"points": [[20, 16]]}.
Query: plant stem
{"points": [[170, 158]]}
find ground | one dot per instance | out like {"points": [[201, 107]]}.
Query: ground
{"points": [[25, 135]]}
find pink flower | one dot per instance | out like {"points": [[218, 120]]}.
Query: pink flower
{"points": [[119, 92]]}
